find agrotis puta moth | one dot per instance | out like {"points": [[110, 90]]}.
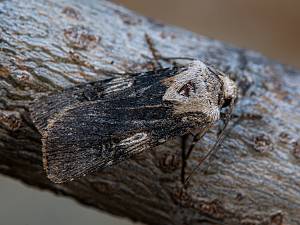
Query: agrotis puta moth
{"points": [[95, 125]]}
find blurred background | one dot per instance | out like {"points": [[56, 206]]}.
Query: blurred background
{"points": [[269, 26]]}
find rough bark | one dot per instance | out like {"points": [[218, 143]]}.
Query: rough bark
{"points": [[253, 179]]}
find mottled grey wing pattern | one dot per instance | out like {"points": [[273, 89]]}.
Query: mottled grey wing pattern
{"points": [[102, 133], [96, 125], [47, 107]]}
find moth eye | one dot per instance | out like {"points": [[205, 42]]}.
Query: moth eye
{"points": [[187, 89]]}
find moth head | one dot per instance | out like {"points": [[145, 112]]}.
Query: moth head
{"points": [[229, 90]]}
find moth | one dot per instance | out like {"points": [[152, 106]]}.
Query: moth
{"points": [[96, 125]]}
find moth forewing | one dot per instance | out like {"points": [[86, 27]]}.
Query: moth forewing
{"points": [[102, 123]]}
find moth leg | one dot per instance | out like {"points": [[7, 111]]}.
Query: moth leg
{"points": [[155, 53], [219, 140], [195, 140], [186, 154], [184, 140]]}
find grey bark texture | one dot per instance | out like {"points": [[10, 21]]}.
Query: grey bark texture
{"points": [[253, 179]]}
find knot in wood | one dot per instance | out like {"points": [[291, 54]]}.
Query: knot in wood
{"points": [[80, 37], [213, 208], [277, 219], [72, 13], [263, 143], [11, 120], [169, 162], [296, 150]]}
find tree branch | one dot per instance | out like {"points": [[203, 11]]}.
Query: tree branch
{"points": [[253, 179]]}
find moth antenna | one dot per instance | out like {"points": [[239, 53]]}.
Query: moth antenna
{"points": [[156, 55], [217, 143], [177, 58], [172, 60]]}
